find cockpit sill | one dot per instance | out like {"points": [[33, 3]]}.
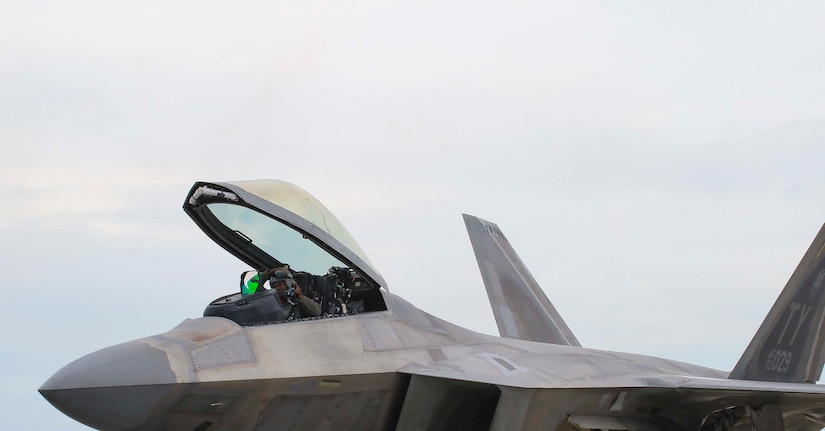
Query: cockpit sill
{"points": [[339, 293]]}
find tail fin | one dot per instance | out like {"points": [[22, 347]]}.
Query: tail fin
{"points": [[521, 309], [789, 345]]}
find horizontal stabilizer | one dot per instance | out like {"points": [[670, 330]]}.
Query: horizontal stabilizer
{"points": [[520, 307], [788, 347]]}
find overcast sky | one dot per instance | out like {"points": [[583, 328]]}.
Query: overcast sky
{"points": [[659, 166]]}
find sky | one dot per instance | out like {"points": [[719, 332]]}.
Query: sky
{"points": [[657, 165]]}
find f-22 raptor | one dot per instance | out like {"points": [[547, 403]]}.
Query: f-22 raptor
{"points": [[372, 361]]}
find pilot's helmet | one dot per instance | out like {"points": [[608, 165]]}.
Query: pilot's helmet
{"points": [[282, 275]]}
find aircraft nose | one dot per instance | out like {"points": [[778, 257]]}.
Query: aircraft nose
{"points": [[114, 388]]}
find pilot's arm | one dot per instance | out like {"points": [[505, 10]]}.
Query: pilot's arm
{"points": [[309, 308]]}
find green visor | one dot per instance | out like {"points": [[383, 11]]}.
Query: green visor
{"points": [[250, 282]]}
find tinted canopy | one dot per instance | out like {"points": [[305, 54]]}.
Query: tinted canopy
{"points": [[269, 223]]}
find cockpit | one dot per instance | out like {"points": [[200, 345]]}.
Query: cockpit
{"points": [[276, 227]]}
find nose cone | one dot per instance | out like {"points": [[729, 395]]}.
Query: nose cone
{"points": [[112, 389]]}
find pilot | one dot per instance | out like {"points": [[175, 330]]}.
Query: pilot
{"points": [[295, 304]]}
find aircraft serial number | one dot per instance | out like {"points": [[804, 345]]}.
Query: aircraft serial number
{"points": [[778, 360]]}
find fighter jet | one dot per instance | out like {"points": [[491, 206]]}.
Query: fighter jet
{"points": [[369, 360]]}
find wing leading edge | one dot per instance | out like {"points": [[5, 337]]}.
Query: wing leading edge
{"points": [[521, 308]]}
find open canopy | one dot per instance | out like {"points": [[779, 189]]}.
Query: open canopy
{"points": [[269, 223]]}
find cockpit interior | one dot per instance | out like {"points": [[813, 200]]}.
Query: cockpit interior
{"points": [[339, 292]]}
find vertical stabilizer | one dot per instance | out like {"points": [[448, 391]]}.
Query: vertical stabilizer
{"points": [[521, 309], [789, 345]]}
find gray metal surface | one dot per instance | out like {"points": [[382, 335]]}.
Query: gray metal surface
{"points": [[404, 369], [346, 366], [788, 347], [520, 307]]}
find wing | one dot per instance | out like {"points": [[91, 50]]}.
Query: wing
{"points": [[439, 397], [521, 309]]}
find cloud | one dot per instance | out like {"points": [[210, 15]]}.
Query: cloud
{"points": [[97, 198]]}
